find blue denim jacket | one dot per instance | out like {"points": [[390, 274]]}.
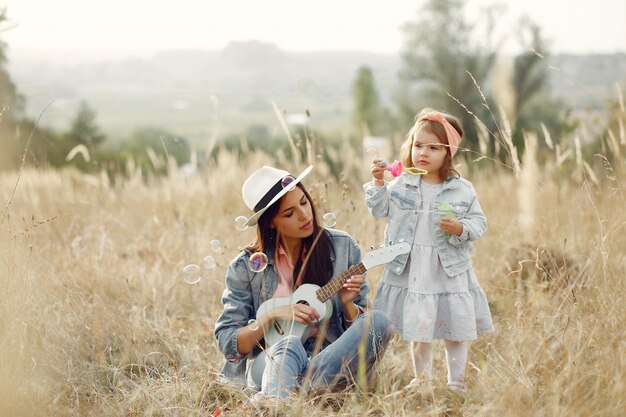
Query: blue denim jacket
{"points": [[246, 290], [400, 201]]}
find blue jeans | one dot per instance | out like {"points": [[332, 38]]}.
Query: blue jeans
{"points": [[288, 364]]}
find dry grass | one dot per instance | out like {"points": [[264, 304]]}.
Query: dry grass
{"points": [[95, 318]]}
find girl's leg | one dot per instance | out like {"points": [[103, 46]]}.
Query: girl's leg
{"points": [[456, 356], [422, 354], [284, 364], [340, 360]]}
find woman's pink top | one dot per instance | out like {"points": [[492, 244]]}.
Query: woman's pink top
{"points": [[285, 274]]}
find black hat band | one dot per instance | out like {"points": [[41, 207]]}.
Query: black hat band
{"points": [[273, 192]]}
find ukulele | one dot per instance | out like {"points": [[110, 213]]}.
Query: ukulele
{"points": [[319, 297]]}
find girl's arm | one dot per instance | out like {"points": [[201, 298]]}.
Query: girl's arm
{"points": [[474, 222], [376, 192], [377, 199]]}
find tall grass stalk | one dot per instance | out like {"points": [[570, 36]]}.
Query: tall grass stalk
{"points": [[527, 190], [97, 320]]}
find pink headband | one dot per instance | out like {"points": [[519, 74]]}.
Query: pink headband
{"points": [[453, 136]]}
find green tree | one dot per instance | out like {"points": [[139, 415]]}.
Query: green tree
{"points": [[84, 129], [150, 147], [366, 113], [439, 52], [610, 142], [533, 103], [44, 147], [11, 102], [529, 76], [13, 134]]}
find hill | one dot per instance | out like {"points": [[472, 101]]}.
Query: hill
{"points": [[199, 93]]}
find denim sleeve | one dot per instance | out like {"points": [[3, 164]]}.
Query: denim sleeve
{"points": [[376, 199], [474, 223], [238, 309], [355, 257]]}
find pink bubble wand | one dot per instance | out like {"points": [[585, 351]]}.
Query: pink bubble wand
{"points": [[396, 169]]}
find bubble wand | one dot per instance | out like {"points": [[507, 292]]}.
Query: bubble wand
{"points": [[396, 169]]}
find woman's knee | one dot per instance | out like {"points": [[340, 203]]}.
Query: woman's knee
{"points": [[377, 326], [290, 345], [380, 324]]}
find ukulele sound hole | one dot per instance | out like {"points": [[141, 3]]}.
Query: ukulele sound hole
{"points": [[279, 329], [303, 302]]}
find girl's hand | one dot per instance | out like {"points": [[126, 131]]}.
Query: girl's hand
{"points": [[451, 225], [351, 289], [378, 168], [296, 312]]}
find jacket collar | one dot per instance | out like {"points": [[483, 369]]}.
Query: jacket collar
{"points": [[416, 180], [451, 182]]}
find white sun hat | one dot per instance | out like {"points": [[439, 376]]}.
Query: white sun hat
{"points": [[265, 186]]}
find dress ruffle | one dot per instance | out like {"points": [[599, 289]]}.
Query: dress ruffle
{"points": [[424, 317]]}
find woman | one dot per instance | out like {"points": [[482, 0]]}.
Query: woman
{"points": [[298, 251]]}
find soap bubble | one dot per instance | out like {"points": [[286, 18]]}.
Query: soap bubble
{"points": [[257, 262], [240, 223], [330, 220], [253, 325], [192, 274], [372, 153], [216, 245], [288, 182], [209, 262]]}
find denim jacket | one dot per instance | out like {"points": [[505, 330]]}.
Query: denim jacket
{"points": [[246, 290], [400, 200]]}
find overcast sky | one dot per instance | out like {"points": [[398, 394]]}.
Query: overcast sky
{"points": [[145, 26]]}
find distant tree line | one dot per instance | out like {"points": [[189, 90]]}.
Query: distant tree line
{"points": [[83, 146], [450, 63]]}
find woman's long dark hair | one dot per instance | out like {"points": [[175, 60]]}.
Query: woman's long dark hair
{"points": [[319, 268]]}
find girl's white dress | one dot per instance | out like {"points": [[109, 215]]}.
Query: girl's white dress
{"points": [[423, 302]]}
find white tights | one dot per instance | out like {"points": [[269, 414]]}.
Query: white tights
{"points": [[456, 358]]}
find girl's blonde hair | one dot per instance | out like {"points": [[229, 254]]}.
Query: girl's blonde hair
{"points": [[437, 129]]}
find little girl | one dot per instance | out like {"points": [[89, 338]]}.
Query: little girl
{"points": [[432, 292]]}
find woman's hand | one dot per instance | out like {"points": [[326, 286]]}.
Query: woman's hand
{"points": [[351, 289], [378, 170], [451, 225], [296, 312], [250, 335]]}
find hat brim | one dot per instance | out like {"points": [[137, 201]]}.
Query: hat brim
{"points": [[255, 217]]}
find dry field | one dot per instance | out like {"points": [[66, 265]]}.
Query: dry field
{"points": [[96, 320]]}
